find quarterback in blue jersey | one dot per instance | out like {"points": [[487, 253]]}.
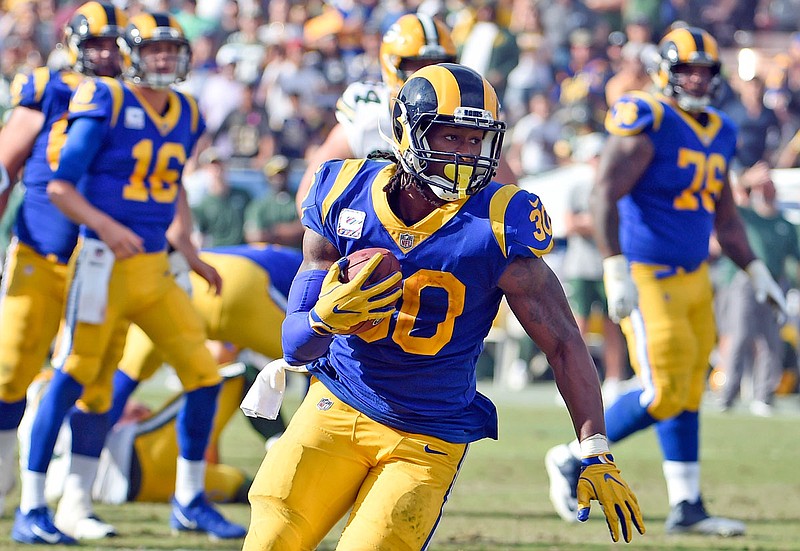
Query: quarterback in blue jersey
{"points": [[119, 177], [661, 189], [34, 278], [390, 412]]}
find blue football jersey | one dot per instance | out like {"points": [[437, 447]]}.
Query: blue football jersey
{"points": [[136, 174], [416, 370], [668, 216], [281, 263], [39, 224]]}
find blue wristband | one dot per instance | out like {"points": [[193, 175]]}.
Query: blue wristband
{"points": [[301, 344], [600, 459]]}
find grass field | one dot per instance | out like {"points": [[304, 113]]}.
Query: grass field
{"points": [[500, 501]]}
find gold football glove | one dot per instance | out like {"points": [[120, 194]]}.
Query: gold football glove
{"points": [[600, 479], [341, 306]]}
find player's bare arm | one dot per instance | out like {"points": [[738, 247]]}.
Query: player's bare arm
{"points": [[335, 146], [17, 137], [16, 144], [318, 252], [622, 164], [538, 301], [121, 240]]}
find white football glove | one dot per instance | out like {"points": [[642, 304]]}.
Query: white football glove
{"points": [[765, 286], [621, 292]]}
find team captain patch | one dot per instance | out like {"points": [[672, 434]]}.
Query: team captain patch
{"points": [[350, 223]]}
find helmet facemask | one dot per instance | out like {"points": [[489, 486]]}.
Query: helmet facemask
{"points": [[461, 175], [137, 70], [684, 48], [687, 101], [89, 25], [86, 65]]}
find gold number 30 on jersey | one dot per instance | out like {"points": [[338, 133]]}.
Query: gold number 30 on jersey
{"points": [[427, 345], [162, 182]]}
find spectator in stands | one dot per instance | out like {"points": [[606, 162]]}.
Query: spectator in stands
{"points": [[489, 47], [533, 137], [581, 82], [367, 64], [533, 73], [244, 135], [559, 19], [221, 93], [219, 216], [245, 46], [273, 218], [759, 130], [193, 24], [632, 74]]}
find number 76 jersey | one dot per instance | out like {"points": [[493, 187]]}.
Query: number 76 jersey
{"points": [[416, 370], [136, 174], [668, 216]]}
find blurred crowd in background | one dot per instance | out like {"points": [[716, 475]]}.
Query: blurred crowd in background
{"points": [[267, 75]]}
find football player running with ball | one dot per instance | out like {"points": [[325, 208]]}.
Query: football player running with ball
{"points": [[661, 189], [390, 413]]}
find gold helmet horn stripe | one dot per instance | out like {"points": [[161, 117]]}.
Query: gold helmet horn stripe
{"points": [[146, 24], [97, 16], [708, 45], [443, 80]]}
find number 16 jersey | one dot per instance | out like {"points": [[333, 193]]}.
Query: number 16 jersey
{"points": [[136, 174]]}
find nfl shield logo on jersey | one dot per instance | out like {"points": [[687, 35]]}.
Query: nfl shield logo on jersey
{"points": [[325, 404], [406, 240]]}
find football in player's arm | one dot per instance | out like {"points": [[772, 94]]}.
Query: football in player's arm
{"points": [[389, 415]]}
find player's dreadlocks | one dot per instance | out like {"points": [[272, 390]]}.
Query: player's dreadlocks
{"points": [[401, 179]]}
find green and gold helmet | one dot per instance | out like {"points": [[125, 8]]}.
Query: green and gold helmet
{"points": [[413, 39]]}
